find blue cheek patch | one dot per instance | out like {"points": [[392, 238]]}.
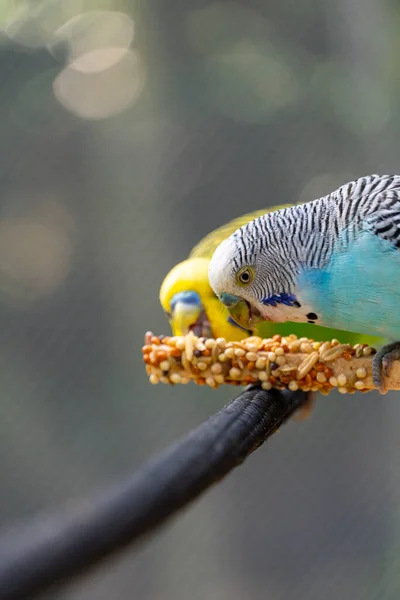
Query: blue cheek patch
{"points": [[192, 298], [287, 299]]}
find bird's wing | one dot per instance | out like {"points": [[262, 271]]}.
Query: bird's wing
{"points": [[206, 247], [384, 220]]}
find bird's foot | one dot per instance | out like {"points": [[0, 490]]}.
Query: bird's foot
{"points": [[305, 410], [381, 364]]}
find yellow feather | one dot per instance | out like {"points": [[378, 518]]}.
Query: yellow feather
{"points": [[189, 275]]}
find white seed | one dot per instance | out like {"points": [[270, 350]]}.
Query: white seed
{"points": [[324, 347], [154, 379], [361, 373], [279, 351], [180, 343], [333, 353], [251, 356], [333, 381], [210, 343], [321, 377], [253, 347], [293, 385], [314, 388], [280, 360], [266, 385], [306, 347], [189, 346], [271, 356], [202, 366], [221, 342], [367, 351], [184, 361], [229, 353], [235, 373], [164, 365], [239, 352], [219, 379], [307, 364], [359, 385], [342, 380], [222, 357], [286, 369], [210, 381], [216, 368], [262, 376], [261, 363], [175, 378], [342, 390]]}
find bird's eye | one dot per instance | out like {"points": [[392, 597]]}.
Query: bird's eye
{"points": [[245, 276]]}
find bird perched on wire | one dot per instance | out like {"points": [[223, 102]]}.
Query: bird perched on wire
{"points": [[191, 305], [334, 261]]}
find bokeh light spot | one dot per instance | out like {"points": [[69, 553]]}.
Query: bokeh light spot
{"points": [[101, 94], [92, 30], [35, 253], [98, 60]]}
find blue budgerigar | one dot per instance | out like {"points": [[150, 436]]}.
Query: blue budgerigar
{"points": [[334, 261]]}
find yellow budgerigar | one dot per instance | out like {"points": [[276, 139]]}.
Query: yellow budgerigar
{"points": [[191, 305]]}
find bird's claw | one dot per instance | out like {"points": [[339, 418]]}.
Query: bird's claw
{"points": [[381, 364]]}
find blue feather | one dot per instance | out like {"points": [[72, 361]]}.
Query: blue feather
{"points": [[359, 289]]}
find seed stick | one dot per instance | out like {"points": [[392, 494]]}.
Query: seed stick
{"points": [[277, 362]]}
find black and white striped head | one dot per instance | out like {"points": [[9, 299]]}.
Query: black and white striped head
{"points": [[252, 274], [233, 266]]}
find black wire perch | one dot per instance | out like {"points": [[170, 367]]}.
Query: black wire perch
{"points": [[51, 550]]}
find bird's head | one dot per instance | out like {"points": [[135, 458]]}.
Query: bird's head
{"points": [[181, 298], [191, 305], [252, 279]]}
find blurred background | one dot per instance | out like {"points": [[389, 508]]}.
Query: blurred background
{"points": [[130, 129]]}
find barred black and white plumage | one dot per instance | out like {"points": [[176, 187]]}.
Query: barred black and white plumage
{"points": [[307, 234], [334, 261]]}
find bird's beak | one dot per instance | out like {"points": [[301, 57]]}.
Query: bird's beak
{"points": [[183, 317], [185, 314], [241, 311]]}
